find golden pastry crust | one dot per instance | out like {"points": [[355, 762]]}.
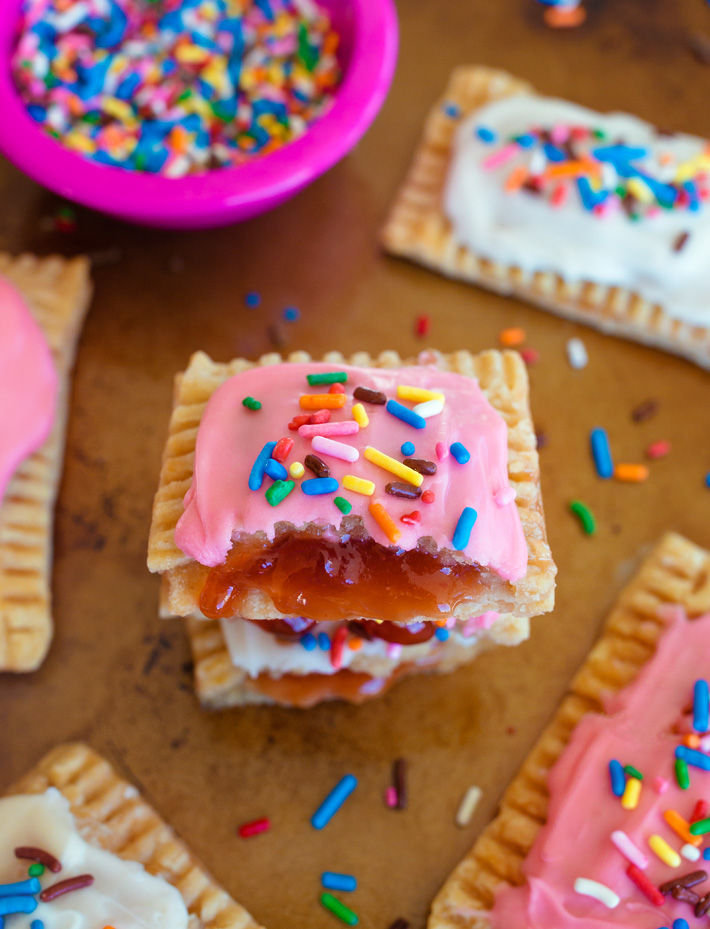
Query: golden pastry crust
{"points": [[417, 228], [57, 292], [676, 571], [111, 814], [503, 379]]}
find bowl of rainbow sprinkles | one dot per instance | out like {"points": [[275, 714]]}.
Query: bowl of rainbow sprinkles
{"points": [[189, 113]]}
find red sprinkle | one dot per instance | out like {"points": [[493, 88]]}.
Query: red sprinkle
{"points": [[254, 828], [658, 449], [321, 416], [701, 811], [337, 645], [282, 450], [336, 389], [428, 496], [411, 519], [422, 326], [298, 421], [645, 886], [530, 356]]}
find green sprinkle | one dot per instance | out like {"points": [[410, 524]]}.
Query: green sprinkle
{"points": [[701, 827], [278, 491], [339, 909], [36, 869], [584, 514], [620, 191], [633, 772], [251, 404], [681, 774], [599, 134], [343, 505], [330, 377]]}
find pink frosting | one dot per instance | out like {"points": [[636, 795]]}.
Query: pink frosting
{"points": [[220, 505], [584, 812], [28, 384]]}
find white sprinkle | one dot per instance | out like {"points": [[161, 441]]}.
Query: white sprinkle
{"points": [[577, 353], [468, 806], [600, 892], [429, 408], [690, 852]]}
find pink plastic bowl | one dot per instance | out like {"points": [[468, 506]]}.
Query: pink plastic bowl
{"points": [[369, 38]]}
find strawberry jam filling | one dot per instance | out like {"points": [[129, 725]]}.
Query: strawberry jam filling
{"points": [[327, 581]]}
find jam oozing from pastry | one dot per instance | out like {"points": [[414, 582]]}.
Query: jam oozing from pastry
{"points": [[328, 581], [305, 690], [291, 627]]}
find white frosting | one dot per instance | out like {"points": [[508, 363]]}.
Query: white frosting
{"points": [[257, 652], [523, 230], [123, 894]]}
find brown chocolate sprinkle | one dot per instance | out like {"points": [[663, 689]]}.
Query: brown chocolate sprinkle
{"points": [[699, 45], [400, 924], [687, 880], [29, 853], [399, 779], [421, 465], [702, 906], [370, 396], [685, 895], [400, 489], [681, 242], [316, 465], [65, 887], [644, 411]]}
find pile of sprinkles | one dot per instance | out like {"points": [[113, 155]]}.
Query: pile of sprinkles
{"points": [[21, 897], [605, 175], [176, 87]]}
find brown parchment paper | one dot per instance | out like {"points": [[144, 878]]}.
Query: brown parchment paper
{"points": [[117, 676]]}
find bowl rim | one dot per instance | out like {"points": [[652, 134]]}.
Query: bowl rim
{"points": [[264, 181]]}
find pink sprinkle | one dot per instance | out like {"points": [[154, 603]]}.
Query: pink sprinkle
{"points": [[475, 623], [658, 449], [334, 449], [391, 797], [530, 356], [394, 650], [450, 622], [348, 427], [704, 745], [559, 195], [630, 851], [559, 134], [500, 157], [660, 785], [442, 450], [254, 828], [505, 496]]}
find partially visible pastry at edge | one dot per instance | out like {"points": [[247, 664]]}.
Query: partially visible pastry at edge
{"points": [[599, 217], [43, 302], [331, 526]]}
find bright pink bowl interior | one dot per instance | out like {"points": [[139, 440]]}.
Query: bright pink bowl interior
{"points": [[368, 31]]}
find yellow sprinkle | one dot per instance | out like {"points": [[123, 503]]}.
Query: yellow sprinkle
{"points": [[79, 142], [639, 190], [630, 800], [393, 466], [418, 394], [660, 847], [385, 521], [358, 485], [115, 107], [360, 415], [296, 469]]}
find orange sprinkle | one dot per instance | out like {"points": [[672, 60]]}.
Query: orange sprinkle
{"points": [[692, 740], [322, 401], [680, 827], [516, 179], [385, 521], [572, 169], [512, 337], [633, 473], [355, 645], [559, 18]]}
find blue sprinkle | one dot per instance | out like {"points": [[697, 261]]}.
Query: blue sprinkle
{"points": [[618, 778], [691, 757], [680, 924], [554, 153], [256, 475], [323, 642], [308, 641], [319, 485], [486, 135], [526, 140], [332, 803], [601, 452], [442, 634], [291, 314], [275, 470], [252, 299], [707, 479], [460, 452], [464, 526], [36, 924], [331, 880], [405, 414], [706, 854], [407, 449], [453, 112], [30, 886], [23, 904], [616, 153], [701, 706]]}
